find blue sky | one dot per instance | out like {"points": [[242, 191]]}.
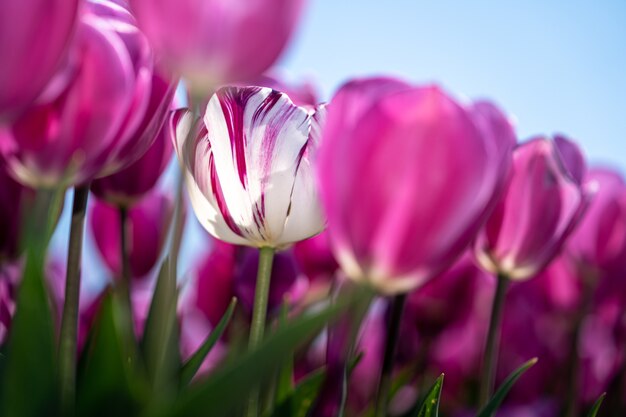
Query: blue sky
{"points": [[557, 66]]}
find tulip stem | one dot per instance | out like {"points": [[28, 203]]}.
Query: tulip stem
{"points": [[393, 330], [69, 322], [259, 314], [490, 356], [125, 282]]}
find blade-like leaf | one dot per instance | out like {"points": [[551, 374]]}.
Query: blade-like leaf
{"points": [[193, 364], [108, 378], [160, 339], [504, 389], [596, 406], [222, 393], [430, 405], [284, 382], [297, 404]]}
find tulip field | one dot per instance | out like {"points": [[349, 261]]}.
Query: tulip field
{"points": [[398, 250]]}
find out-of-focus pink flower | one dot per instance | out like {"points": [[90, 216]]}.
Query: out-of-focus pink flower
{"points": [[315, 258], [214, 42], [544, 201], [15, 200], [10, 275], [248, 167], [407, 176], [34, 35], [599, 241], [91, 107], [147, 224], [125, 187]]}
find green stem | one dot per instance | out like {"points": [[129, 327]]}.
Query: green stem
{"points": [[69, 321], [393, 330], [490, 357], [259, 314], [124, 284]]}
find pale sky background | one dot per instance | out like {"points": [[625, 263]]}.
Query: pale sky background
{"points": [[556, 66]]}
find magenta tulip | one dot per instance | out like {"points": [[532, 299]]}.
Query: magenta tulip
{"points": [[126, 187], [212, 42], [34, 35], [543, 202], [89, 110], [148, 226], [315, 258], [407, 176], [249, 167], [599, 241], [10, 275]]}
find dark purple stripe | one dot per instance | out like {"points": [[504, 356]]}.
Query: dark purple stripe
{"points": [[219, 197]]}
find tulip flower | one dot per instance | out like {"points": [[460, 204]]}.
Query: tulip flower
{"points": [[10, 275], [148, 226], [212, 42], [599, 241], [545, 199], [78, 123], [407, 177], [315, 258], [248, 169], [34, 35], [129, 185], [301, 94]]}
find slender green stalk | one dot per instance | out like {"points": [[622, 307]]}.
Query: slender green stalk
{"points": [[490, 356], [69, 321], [124, 283], [393, 330], [259, 314]]}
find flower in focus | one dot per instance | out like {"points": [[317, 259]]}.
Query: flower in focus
{"points": [[34, 35], [214, 42], [407, 175], [543, 202], [148, 226], [132, 183], [599, 241], [248, 168], [89, 110]]}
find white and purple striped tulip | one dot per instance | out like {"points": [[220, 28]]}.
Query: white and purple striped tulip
{"points": [[248, 167]]}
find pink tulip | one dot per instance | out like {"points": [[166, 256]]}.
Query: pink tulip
{"points": [[10, 275], [148, 226], [599, 241], [214, 42], [543, 203], [126, 187], [34, 35], [16, 199], [407, 176], [89, 110], [315, 258], [248, 169]]}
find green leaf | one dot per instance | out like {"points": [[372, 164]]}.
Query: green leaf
{"points": [[430, 405], [596, 406], [298, 403], [160, 339], [29, 386], [109, 382], [284, 383], [504, 389], [190, 368], [222, 393]]}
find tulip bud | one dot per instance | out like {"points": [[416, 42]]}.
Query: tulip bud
{"points": [[542, 204], [125, 187], [407, 176], [248, 168], [34, 35], [214, 42], [148, 226]]}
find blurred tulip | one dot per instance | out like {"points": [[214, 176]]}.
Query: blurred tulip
{"points": [[544, 201], [34, 35], [248, 169], [125, 187], [91, 107], [15, 199], [599, 241], [148, 227], [315, 258], [213, 42], [407, 176], [10, 275]]}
